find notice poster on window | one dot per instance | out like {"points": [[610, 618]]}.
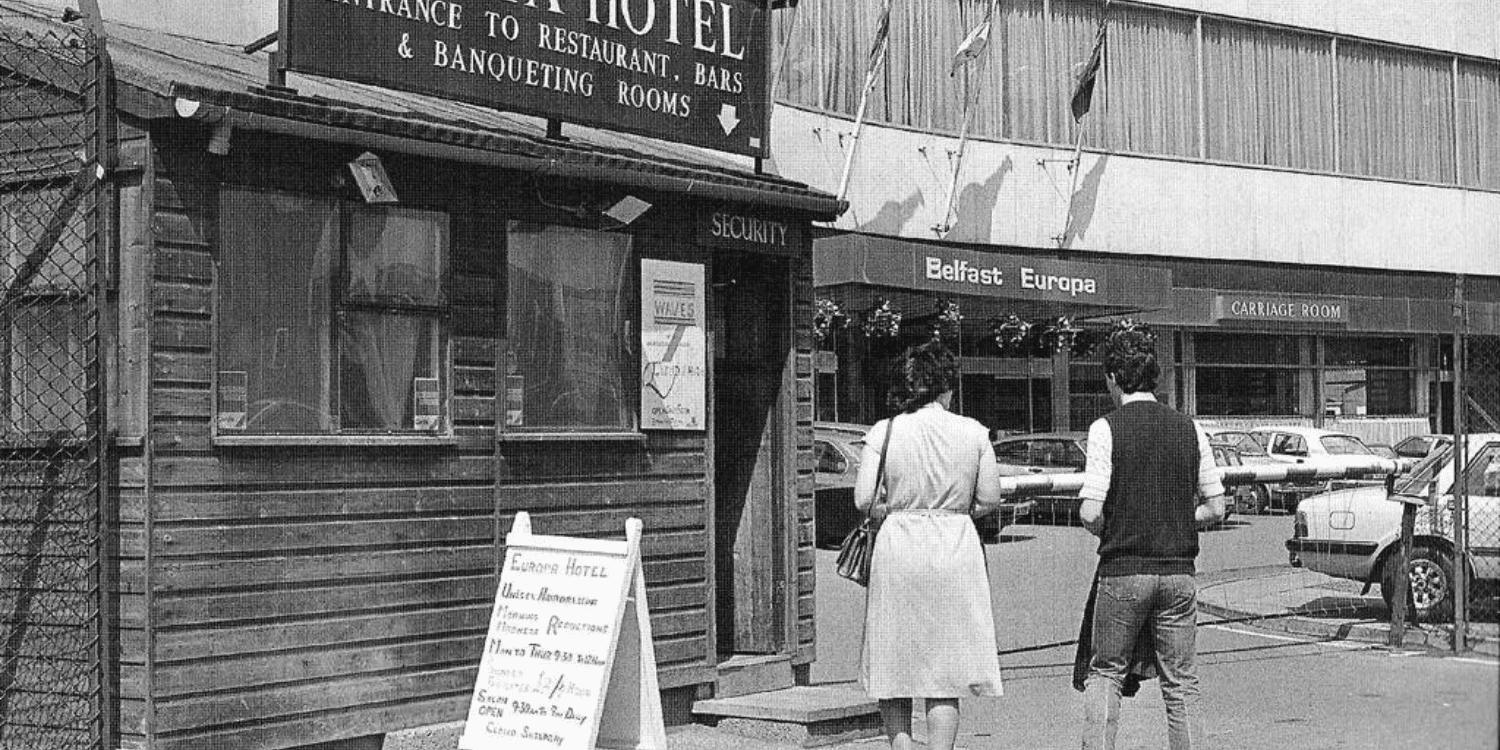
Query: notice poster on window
{"points": [[569, 663], [233, 393], [426, 404], [674, 369]]}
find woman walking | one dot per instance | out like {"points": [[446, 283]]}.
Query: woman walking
{"points": [[929, 629]]}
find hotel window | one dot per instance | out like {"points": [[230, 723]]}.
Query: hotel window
{"points": [[1248, 374], [1368, 376], [571, 357], [332, 318]]}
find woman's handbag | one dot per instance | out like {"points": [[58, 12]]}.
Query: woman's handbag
{"points": [[859, 544]]}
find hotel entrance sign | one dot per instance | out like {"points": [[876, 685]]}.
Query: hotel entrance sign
{"points": [[686, 72]]}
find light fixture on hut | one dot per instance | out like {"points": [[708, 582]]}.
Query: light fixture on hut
{"points": [[627, 210], [374, 183]]}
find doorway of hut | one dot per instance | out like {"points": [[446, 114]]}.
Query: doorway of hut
{"points": [[752, 451]]}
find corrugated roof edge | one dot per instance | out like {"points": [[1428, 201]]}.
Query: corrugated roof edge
{"points": [[359, 126]]}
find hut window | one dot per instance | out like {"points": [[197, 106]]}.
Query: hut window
{"points": [[43, 279], [571, 297], [331, 317]]}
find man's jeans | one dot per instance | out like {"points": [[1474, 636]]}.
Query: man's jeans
{"points": [[1127, 606]]}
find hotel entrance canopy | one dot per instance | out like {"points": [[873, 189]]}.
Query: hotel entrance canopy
{"points": [[862, 267]]}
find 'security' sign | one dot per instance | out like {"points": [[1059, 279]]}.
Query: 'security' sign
{"points": [[690, 71]]}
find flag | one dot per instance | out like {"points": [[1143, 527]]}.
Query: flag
{"points": [[972, 47], [882, 37], [1083, 89]]}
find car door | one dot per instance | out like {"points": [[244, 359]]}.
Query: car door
{"points": [[1063, 457], [1482, 480], [1014, 457], [1288, 447]]}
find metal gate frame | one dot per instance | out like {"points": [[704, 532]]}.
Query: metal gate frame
{"points": [[56, 672], [1475, 359]]}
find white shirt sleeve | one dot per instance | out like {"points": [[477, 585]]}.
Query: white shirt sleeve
{"points": [[1210, 476], [1099, 462]]}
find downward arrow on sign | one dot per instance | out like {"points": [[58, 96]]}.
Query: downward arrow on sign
{"points": [[727, 119]]}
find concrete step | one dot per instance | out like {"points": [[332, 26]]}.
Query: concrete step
{"points": [[743, 674], [803, 715]]}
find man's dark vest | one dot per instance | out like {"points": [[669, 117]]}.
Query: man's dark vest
{"points": [[1153, 492]]}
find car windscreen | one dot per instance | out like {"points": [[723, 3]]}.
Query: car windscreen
{"points": [[1415, 482], [1245, 444], [1344, 445]]}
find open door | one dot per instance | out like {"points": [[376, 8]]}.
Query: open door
{"points": [[751, 441]]}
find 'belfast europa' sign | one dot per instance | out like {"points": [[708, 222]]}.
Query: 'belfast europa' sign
{"points": [[690, 71]]}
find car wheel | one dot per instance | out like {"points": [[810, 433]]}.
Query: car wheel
{"points": [[1430, 576]]}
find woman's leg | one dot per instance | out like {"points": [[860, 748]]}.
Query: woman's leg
{"points": [[895, 713], [942, 723]]}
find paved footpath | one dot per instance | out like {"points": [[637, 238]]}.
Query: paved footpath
{"points": [[1288, 660]]}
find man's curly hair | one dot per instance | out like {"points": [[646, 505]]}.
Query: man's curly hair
{"points": [[1129, 354], [921, 374]]}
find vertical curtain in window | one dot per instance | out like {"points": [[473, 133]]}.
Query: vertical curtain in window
{"points": [[795, 55], [1030, 86], [1395, 113], [920, 92], [1150, 84], [1479, 125], [379, 354], [570, 329], [276, 252], [1269, 96], [848, 31]]}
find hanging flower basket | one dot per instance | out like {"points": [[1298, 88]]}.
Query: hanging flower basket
{"points": [[882, 321], [827, 318], [947, 320], [1010, 333], [1061, 333]]}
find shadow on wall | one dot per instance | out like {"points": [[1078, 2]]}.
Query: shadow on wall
{"points": [[1085, 201], [974, 211], [893, 215]]}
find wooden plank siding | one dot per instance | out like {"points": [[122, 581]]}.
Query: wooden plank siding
{"points": [[273, 596], [296, 596], [804, 614]]}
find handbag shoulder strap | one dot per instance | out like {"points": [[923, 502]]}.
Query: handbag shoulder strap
{"points": [[884, 446]]}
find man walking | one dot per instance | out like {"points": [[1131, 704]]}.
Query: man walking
{"points": [[1149, 484]]}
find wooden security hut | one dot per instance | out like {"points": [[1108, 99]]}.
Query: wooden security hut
{"points": [[344, 334]]}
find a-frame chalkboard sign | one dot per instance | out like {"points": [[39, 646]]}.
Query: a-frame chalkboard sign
{"points": [[568, 663]]}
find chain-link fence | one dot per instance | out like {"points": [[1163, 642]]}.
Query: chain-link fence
{"points": [[1476, 496], [51, 626]]}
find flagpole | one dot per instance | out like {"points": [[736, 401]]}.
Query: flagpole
{"points": [[859, 122], [1074, 166], [877, 61], [963, 133], [958, 165]]}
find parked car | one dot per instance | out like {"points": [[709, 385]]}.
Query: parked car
{"points": [[1238, 498], [1353, 533], [1296, 444], [1045, 453], [1383, 450], [1418, 446], [837, 450], [1251, 453]]}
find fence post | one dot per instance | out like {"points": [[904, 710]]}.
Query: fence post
{"points": [[1460, 504], [1400, 598]]}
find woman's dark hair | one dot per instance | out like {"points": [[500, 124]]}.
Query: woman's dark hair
{"points": [[922, 374], [1130, 356]]}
